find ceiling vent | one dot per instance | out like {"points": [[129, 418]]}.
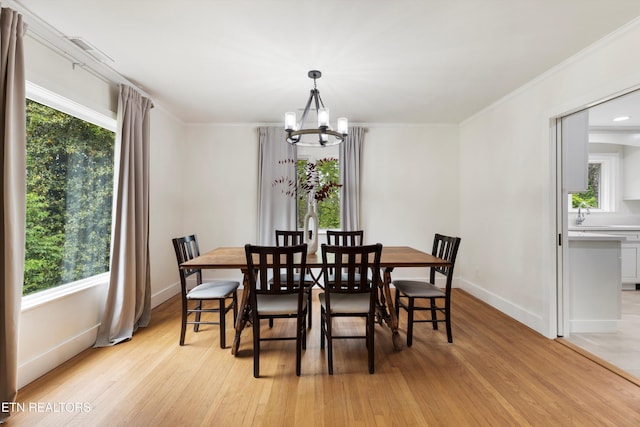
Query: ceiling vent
{"points": [[91, 50]]}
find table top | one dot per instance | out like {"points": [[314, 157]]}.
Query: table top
{"points": [[392, 256]]}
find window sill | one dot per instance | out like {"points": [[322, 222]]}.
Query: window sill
{"points": [[29, 302]]}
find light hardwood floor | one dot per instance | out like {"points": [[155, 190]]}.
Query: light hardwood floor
{"points": [[496, 373]]}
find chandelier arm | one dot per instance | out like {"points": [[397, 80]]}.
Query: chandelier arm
{"points": [[306, 109]]}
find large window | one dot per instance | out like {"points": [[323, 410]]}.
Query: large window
{"points": [[69, 196]]}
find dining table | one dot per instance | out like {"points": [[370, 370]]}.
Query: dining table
{"points": [[392, 257]]}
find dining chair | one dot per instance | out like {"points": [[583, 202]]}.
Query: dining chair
{"points": [[408, 291], [350, 294], [292, 238], [194, 295], [277, 291], [345, 238]]}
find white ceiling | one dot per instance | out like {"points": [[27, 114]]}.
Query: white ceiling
{"points": [[383, 61]]}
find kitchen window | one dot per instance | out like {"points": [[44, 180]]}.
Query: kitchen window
{"points": [[601, 190]]}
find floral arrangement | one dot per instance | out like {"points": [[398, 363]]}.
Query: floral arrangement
{"points": [[309, 183]]}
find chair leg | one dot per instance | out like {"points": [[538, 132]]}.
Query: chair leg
{"points": [[329, 343], [223, 326], [300, 344], [447, 313], [304, 336], [309, 307], [235, 307], [370, 342], [183, 327], [434, 316], [410, 313], [256, 347], [196, 326], [323, 330]]}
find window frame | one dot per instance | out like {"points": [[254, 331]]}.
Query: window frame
{"points": [[53, 100]]}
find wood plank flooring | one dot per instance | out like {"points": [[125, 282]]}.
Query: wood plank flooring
{"points": [[496, 373]]}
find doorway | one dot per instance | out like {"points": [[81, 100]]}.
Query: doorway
{"points": [[613, 129]]}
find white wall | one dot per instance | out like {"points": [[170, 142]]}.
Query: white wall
{"points": [[507, 179], [409, 185]]}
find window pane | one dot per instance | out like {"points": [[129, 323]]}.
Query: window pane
{"points": [[591, 197], [329, 208], [69, 197]]}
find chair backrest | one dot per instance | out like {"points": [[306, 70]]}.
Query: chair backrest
{"points": [[445, 247], [289, 238], [274, 269], [186, 249], [345, 238], [359, 267]]}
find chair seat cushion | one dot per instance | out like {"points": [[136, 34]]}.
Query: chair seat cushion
{"points": [[347, 303], [276, 305], [418, 289], [212, 290]]}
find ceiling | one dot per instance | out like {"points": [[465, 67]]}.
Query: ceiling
{"points": [[383, 61]]}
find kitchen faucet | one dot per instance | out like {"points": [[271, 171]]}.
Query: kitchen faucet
{"points": [[580, 219]]}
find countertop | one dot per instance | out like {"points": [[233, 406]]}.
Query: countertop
{"points": [[582, 235], [587, 228]]}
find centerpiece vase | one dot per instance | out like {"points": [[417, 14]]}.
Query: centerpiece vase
{"points": [[311, 228]]}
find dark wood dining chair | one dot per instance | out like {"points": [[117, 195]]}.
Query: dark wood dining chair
{"points": [[292, 238], [276, 291], [345, 238], [350, 294], [408, 291], [195, 294]]}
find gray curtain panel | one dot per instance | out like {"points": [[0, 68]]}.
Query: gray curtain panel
{"points": [[128, 303], [275, 210], [350, 157], [13, 176]]}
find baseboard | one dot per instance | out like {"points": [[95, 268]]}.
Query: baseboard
{"points": [[165, 294], [41, 364], [517, 312]]}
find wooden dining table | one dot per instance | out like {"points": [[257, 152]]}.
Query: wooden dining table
{"points": [[391, 258]]}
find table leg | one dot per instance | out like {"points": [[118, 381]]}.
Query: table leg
{"points": [[386, 309], [243, 313]]}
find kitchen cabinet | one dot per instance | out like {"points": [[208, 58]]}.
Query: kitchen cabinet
{"points": [[630, 259], [629, 250], [594, 282], [631, 173]]}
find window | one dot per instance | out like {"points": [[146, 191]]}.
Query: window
{"points": [[69, 192], [329, 208], [600, 194], [328, 171]]}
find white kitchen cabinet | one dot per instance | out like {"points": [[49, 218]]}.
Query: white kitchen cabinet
{"points": [[630, 263], [594, 282], [629, 251], [575, 151], [631, 173]]}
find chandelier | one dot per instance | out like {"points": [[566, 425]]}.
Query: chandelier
{"points": [[323, 135]]}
